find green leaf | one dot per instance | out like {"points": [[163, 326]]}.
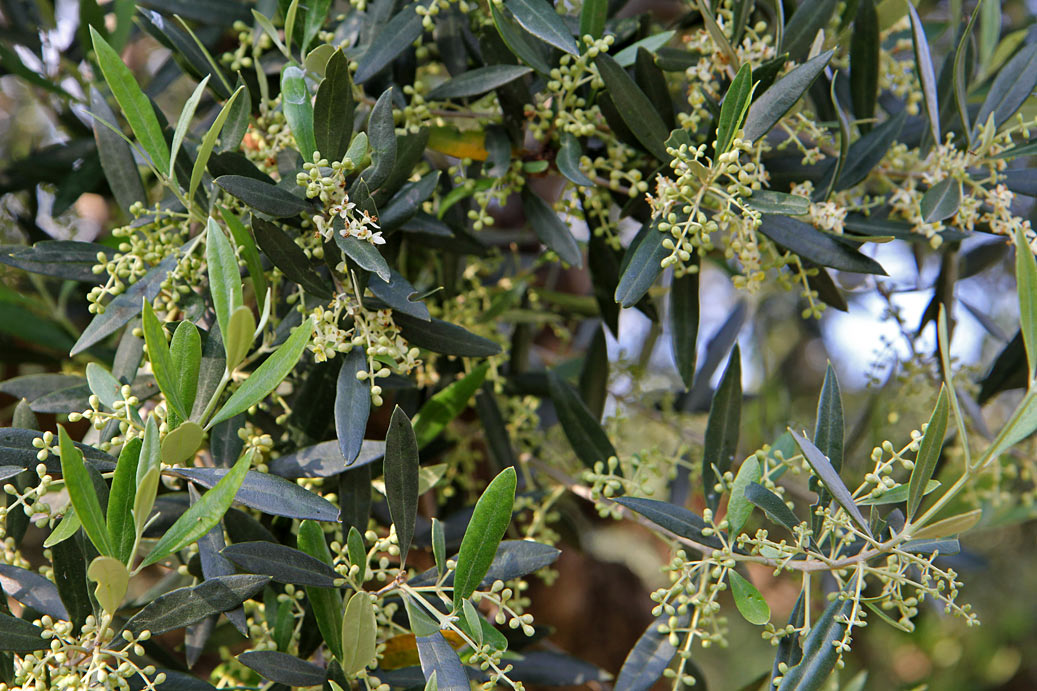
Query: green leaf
{"points": [[751, 605], [401, 478], [896, 495], [628, 56], [443, 337], [722, 427], [490, 520], [203, 514], [268, 493], [676, 519], [357, 553], [924, 64], [183, 122], [289, 258], [326, 602], [134, 104], [365, 254], [1012, 86], [282, 563], [440, 662], [568, 161], [515, 38], [333, 108], [103, 385], [954, 525], [478, 81], [775, 102], [19, 636], [112, 578], [928, 453], [264, 197], [224, 277], [1026, 279], [941, 201], [439, 546], [239, 335], [738, 507], [733, 109], [446, 405], [267, 376], [247, 246], [634, 107], [864, 61], [593, 15], [868, 151], [550, 229], [82, 494], [209, 141], [116, 154], [829, 477], [394, 37], [772, 505], [958, 67], [819, 653], [644, 265], [283, 668], [352, 404], [298, 110], [119, 518], [810, 17], [810, 243], [185, 606], [583, 431], [162, 360], [185, 350], [649, 657], [769, 202], [539, 18], [359, 632]]}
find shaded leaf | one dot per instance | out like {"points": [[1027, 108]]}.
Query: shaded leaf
{"points": [[365, 254], [941, 201], [772, 505], [283, 668], [443, 337], [540, 19], [810, 17], [478, 81], [352, 404], [810, 243], [819, 653], [866, 153], [550, 229], [268, 493], [326, 602], [289, 258], [722, 427], [644, 265], [116, 154], [1012, 86], [676, 519], [581, 428], [829, 477], [32, 590], [333, 109], [439, 660], [401, 477], [283, 564], [185, 606], [652, 653], [772, 105], [634, 107], [19, 636], [264, 197], [394, 37], [864, 60], [924, 65], [568, 161]]}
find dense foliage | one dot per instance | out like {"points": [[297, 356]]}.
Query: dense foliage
{"points": [[347, 380]]}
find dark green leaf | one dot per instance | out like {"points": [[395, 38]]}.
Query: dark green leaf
{"points": [[864, 60], [829, 477], [381, 133], [478, 81], [810, 243], [733, 109], [676, 519], [438, 658], [264, 197], [120, 168], [490, 519], [397, 294], [69, 560], [649, 657], [866, 152], [772, 505], [941, 201], [810, 17], [738, 506], [828, 432], [267, 376], [283, 564], [395, 37], [406, 203], [121, 526], [209, 141], [568, 161], [789, 649], [365, 254], [333, 109], [819, 653], [593, 15], [924, 65], [352, 404], [539, 18], [268, 493], [32, 590], [161, 360], [33, 386], [928, 453], [514, 559], [644, 265], [326, 602], [82, 494], [768, 202], [1022, 181], [594, 375], [19, 636], [581, 428], [443, 337], [772, 104], [289, 258], [401, 478], [1012, 86], [634, 107], [497, 438], [446, 405], [551, 230], [515, 38], [185, 606], [283, 668], [721, 442]]}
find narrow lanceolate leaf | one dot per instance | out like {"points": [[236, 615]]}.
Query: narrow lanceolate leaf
{"points": [[185, 350], [733, 110], [120, 168], [136, 107], [446, 405], [352, 404], [401, 477], [267, 376], [828, 476], [810, 243], [161, 360], [819, 653], [801, 29], [365, 254], [203, 514], [440, 662], [959, 68], [282, 563], [941, 201], [333, 109], [568, 161], [928, 453], [185, 606], [772, 505], [926, 74], [490, 519], [644, 265], [864, 61], [326, 602], [209, 141], [298, 111], [224, 278], [738, 507], [773, 103], [82, 494], [478, 81], [769, 202], [264, 197], [551, 230], [954, 525], [649, 657], [583, 431], [19, 636], [1026, 278], [539, 18], [725, 414], [268, 493], [676, 519], [119, 518], [184, 121], [381, 133], [593, 15], [1012, 86], [359, 633], [634, 107], [283, 668], [750, 603], [395, 37]]}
